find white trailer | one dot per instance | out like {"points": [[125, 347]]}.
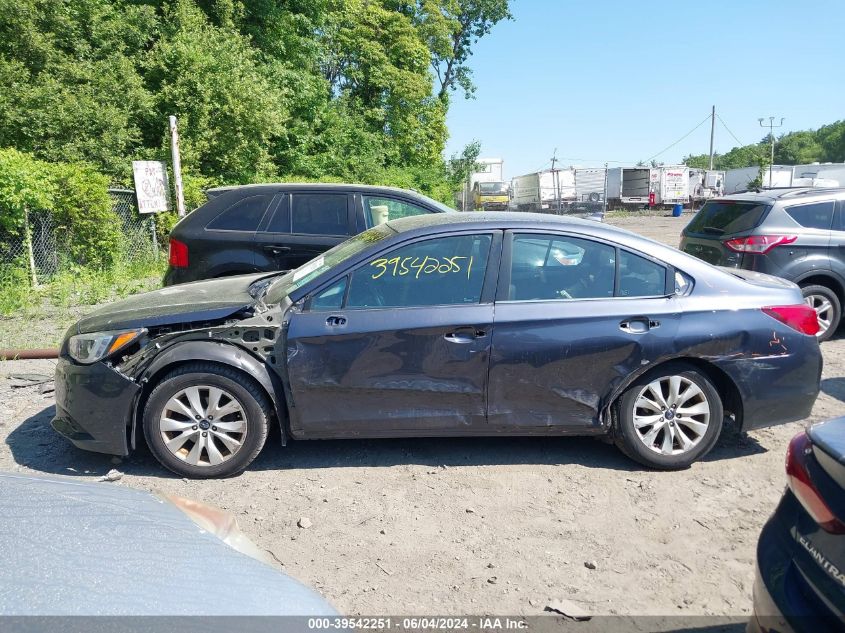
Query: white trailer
{"points": [[810, 175], [657, 186], [589, 184], [544, 191], [705, 184]]}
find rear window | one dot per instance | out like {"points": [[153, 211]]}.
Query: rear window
{"points": [[727, 217], [244, 215], [818, 215], [320, 214]]}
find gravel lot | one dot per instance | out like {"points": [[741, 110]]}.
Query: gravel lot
{"points": [[496, 526]]}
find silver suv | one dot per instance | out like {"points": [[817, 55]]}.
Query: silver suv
{"points": [[797, 234]]}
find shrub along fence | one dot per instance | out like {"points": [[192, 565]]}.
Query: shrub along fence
{"points": [[52, 248]]}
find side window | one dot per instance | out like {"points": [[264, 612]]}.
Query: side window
{"points": [[818, 215], [280, 222], [380, 210], [552, 267], [640, 277], [443, 271], [243, 215], [331, 298], [320, 214], [839, 225]]}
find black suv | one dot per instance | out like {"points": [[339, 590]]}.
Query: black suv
{"points": [[797, 234], [268, 227]]}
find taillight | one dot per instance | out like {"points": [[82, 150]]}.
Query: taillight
{"points": [[759, 243], [798, 479], [178, 254], [799, 317]]}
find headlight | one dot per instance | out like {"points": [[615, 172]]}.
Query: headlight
{"points": [[89, 348]]}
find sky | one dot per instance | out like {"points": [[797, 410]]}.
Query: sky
{"points": [[620, 81]]}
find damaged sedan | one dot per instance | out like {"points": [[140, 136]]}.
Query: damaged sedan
{"points": [[445, 325]]}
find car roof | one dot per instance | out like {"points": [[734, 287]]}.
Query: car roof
{"points": [[784, 193], [519, 220]]}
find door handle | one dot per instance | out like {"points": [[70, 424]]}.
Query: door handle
{"points": [[464, 335], [335, 321], [277, 250], [638, 325]]}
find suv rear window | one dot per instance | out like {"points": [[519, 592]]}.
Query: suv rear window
{"points": [[244, 215], [726, 217]]}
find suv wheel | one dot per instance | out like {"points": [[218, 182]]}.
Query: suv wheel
{"points": [[828, 309]]}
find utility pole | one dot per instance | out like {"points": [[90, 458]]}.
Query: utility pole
{"points": [[712, 132], [555, 181], [177, 167], [771, 125]]}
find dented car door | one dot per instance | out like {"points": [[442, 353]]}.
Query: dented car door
{"points": [[574, 318], [400, 343]]}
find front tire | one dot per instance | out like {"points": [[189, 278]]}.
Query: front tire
{"points": [[669, 418], [827, 306], [205, 420]]}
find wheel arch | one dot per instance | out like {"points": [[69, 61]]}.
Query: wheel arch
{"points": [[214, 352], [822, 279], [727, 388]]}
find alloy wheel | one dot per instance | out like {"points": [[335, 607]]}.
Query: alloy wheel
{"points": [[671, 415], [203, 425], [824, 311]]}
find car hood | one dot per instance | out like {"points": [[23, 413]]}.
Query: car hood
{"points": [[74, 548], [198, 301]]}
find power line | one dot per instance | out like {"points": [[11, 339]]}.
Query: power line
{"points": [[725, 125], [666, 149]]}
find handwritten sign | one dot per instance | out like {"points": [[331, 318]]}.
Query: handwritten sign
{"points": [[151, 187], [416, 266]]}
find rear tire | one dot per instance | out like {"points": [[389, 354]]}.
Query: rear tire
{"points": [[827, 306], [206, 420], [669, 418]]}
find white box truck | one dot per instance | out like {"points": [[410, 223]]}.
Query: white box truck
{"points": [[489, 171], [648, 186], [544, 191]]}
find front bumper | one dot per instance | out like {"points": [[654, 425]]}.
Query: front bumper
{"points": [[494, 206], [94, 405]]}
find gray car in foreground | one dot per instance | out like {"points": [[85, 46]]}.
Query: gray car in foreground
{"points": [[71, 548], [797, 234]]}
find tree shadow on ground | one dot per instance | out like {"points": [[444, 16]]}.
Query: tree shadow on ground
{"points": [[35, 445]]}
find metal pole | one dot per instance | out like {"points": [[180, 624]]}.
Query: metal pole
{"points": [[712, 132], [604, 197], [771, 125], [555, 181], [177, 167], [155, 237]]}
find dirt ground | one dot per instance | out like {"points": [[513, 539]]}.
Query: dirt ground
{"points": [[478, 526]]}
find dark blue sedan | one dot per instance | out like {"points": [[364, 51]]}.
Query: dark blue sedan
{"points": [[446, 325], [800, 584]]}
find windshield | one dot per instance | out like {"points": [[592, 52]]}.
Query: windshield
{"points": [[493, 187], [726, 217], [298, 277]]}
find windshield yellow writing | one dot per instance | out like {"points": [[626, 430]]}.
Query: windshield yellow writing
{"points": [[416, 266]]}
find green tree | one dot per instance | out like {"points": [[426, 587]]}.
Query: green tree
{"points": [[452, 28]]}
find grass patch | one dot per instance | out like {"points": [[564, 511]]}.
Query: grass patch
{"points": [[38, 317]]}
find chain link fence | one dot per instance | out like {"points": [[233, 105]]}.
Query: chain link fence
{"points": [[49, 241]]}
